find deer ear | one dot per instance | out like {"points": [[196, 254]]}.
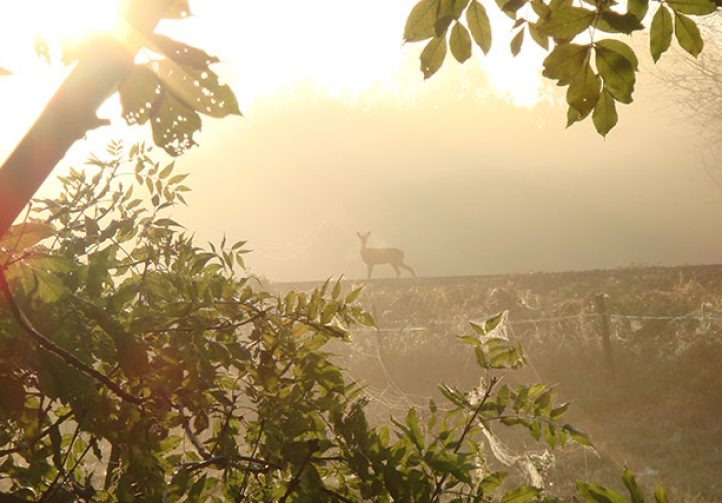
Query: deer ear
{"points": [[358, 234]]}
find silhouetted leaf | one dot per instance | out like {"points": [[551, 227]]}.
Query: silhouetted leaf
{"points": [[432, 57], [516, 42], [564, 22], [479, 25], [687, 33], [421, 21], [565, 61], [605, 113], [616, 70], [660, 33], [613, 22], [138, 93], [460, 43], [638, 8], [694, 7]]}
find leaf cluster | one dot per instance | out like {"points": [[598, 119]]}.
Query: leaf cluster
{"points": [[598, 72]]}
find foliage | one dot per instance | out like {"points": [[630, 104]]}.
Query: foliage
{"points": [[598, 72], [169, 86], [656, 412], [136, 365]]}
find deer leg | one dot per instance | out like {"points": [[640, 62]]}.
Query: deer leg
{"points": [[396, 268], [408, 268], [369, 270]]}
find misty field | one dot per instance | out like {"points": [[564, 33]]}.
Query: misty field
{"points": [[656, 406]]}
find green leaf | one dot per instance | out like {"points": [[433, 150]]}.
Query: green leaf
{"points": [[421, 22], [638, 8], [445, 15], [660, 32], [577, 435], [565, 22], [634, 491], [687, 34], [491, 482], [510, 7], [694, 7], [50, 288], [138, 92], [460, 42], [458, 7], [22, 236], [541, 40], [174, 124], [417, 436], [593, 493], [583, 91], [523, 494], [432, 57], [198, 88], [542, 10], [613, 22], [620, 48], [617, 71], [516, 42], [565, 62], [559, 411], [605, 113], [660, 495], [167, 170], [479, 25], [353, 295]]}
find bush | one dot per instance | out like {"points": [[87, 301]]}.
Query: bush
{"points": [[136, 365]]}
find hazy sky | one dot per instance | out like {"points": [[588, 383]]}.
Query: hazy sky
{"points": [[472, 172]]}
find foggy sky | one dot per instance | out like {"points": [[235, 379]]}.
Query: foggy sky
{"points": [[463, 181], [463, 186]]}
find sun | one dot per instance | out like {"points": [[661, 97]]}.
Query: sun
{"points": [[74, 19], [60, 22]]}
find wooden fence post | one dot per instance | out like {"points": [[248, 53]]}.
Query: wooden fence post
{"points": [[604, 331]]}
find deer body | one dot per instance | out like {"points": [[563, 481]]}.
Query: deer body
{"points": [[379, 256]]}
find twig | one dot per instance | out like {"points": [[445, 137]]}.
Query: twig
{"points": [[223, 461], [467, 428], [37, 438], [194, 440], [242, 491], [61, 469], [297, 478], [336, 495]]}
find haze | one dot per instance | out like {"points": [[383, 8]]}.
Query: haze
{"points": [[470, 173]]}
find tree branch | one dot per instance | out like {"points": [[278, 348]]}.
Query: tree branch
{"points": [[70, 113], [63, 354]]}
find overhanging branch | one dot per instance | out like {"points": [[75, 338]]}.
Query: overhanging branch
{"points": [[70, 113]]}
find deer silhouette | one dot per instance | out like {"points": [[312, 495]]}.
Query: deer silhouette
{"points": [[377, 256]]}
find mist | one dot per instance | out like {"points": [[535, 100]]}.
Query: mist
{"points": [[464, 184]]}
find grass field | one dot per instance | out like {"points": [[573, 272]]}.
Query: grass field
{"points": [[657, 408]]}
